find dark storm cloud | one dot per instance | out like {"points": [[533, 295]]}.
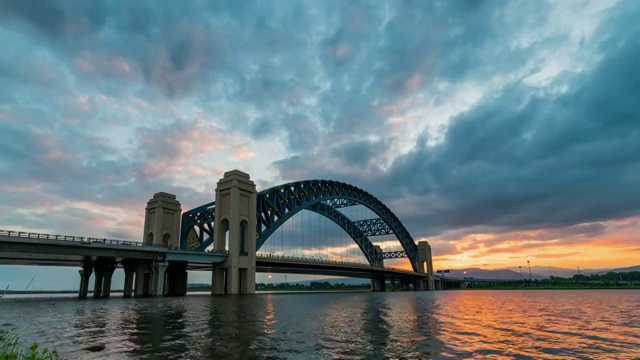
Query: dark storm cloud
{"points": [[323, 80], [527, 160], [359, 153], [522, 158]]}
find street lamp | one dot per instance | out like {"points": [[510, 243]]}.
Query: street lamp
{"points": [[528, 263], [269, 278], [520, 272]]}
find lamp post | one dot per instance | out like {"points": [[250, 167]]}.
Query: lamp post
{"points": [[528, 263], [520, 273]]}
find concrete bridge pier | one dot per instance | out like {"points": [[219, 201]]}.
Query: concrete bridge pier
{"points": [[85, 274], [235, 231], [218, 285], [378, 282], [97, 284], [419, 285], [129, 273], [176, 279], [143, 280], [107, 274], [405, 285], [159, 278]]}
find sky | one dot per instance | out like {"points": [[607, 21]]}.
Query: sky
{"points": [[500, 132]]}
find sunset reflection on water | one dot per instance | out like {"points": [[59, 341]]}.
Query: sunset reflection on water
{"points": [[541, 324], [463, 324]]}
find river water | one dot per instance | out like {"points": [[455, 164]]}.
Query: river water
{"points": [[528, 324]]}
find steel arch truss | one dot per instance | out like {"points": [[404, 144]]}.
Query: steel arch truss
{"points": [[394, 255], [276, 205], [374, 227], [196, 229], [350, 228]]}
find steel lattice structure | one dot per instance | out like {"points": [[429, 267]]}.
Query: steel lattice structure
{"points": [[394, 255], [201, 219], [278, 204]]}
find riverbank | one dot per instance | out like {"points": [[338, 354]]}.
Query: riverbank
{"points": [[567, 287]]}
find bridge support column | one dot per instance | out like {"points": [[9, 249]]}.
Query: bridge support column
{"points": [[85, 274], [159, 272], [107, 273], [425, 264], [378, 284], [143, 280], [236, 211], [404, 284], [177, 279], [421, 285], [129, 272], [97, 284], [217, 281]]}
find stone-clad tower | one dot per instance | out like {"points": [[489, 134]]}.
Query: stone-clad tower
{"points": [[162, 220], [235, 231], [425, 263]]}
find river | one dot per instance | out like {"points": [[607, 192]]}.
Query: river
{"points": [[527, 324]]}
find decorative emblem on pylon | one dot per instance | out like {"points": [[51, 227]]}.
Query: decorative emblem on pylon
{"points": [[192, 240]]}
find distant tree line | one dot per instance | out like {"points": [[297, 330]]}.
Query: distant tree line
{"points": [[610, 279], [313, 285]]}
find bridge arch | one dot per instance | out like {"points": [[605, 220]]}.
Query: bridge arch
{"points": [[278, 204]]}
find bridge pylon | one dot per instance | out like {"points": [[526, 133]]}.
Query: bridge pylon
{"points": [[378, 282], [235, 231], [162, 220], [425, 265]]}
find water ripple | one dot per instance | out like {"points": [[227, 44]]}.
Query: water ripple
{"points": [[409, 325]]}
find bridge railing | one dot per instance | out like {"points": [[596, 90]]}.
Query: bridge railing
{"points": [[309, 259], [325, 261], [79, 239]]}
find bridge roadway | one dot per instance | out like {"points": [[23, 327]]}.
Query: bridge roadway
{"points": [[23, 248]]}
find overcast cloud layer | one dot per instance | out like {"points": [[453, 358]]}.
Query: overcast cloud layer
{"points": [[484, 125]]}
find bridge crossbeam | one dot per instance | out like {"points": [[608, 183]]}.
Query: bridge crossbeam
{"points": [[394, 255], [373, 227]]}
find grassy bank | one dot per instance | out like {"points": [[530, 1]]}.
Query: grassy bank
{"points": [[11, 349]]}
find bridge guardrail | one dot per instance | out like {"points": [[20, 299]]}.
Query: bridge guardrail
{"points": [[79, 239], [283, 257], [326, 261]]}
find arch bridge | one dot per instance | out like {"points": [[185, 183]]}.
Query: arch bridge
{"points": [[239, 208]]}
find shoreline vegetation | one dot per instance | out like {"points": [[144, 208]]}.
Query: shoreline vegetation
{"points": [[610, 280], [11, 349]]}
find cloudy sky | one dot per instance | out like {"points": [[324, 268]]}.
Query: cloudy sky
{"points": [[499, 131]]}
